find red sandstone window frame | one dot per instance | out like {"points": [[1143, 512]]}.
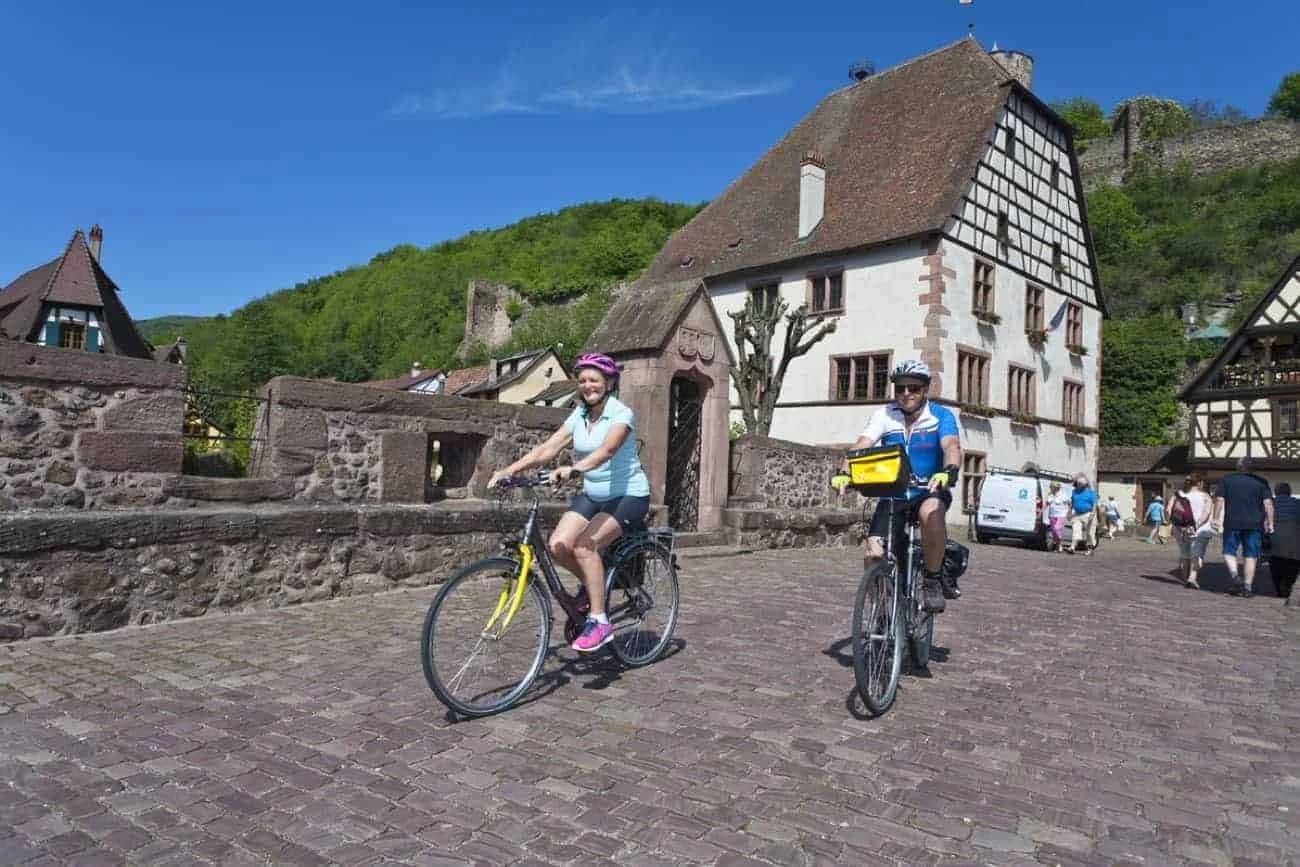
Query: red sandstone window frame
{"points": [[983, 286], [973, 375], [974, 465], [1072, 402], [1022, 390], [1073, 323], [876, 372], [1035, 307], [818, 298]]}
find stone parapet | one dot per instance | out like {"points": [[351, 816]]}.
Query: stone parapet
{"points": [[344, 443], [88, 571], [794, 528], [779, 474]]}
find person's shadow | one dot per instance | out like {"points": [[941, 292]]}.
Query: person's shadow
{"points": [[1215, 578]]}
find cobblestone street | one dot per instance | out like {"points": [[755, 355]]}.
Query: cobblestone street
{"points": [[1079, 710]]}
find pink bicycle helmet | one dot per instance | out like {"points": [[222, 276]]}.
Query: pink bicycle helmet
{"points": [[597, 361]]}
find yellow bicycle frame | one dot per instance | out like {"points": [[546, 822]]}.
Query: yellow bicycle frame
{"points": [[510, 599]]}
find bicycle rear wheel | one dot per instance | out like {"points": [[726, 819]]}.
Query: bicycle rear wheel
{"points": [[642, 605], [474, 666], [877, 637]]}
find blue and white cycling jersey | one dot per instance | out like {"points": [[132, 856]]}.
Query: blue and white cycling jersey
{"points": [[923, 442]]}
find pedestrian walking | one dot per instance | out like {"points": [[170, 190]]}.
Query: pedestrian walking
{"points": [[1058, 506], [1114, 523], [1243, 510], [1155, 517], [1284, 561], [1192, 537], [1083, 526]]}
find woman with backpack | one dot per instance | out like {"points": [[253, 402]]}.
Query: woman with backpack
{"points": [[1190, 514]]}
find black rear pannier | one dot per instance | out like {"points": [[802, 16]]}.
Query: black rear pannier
{"points": [[956, 556]]}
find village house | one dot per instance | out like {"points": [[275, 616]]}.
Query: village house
{"points": [[1246, 401], [521, 378], [71, 303], [935, 210], [419, 380]]}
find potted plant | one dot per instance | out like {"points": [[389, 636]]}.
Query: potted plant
{"points": [[1027, 419], [1037, 337], [988, 317], [976, 409]]}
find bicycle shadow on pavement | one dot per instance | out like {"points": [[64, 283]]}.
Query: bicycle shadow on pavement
{"points": [[842, 652]]}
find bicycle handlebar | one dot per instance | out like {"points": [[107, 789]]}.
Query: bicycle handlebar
{"points": [[543, 477]]}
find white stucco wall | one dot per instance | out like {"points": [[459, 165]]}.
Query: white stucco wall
{"points": [[881, 314]]}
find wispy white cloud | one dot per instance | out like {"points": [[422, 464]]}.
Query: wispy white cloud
{"points": [[603, 66]]}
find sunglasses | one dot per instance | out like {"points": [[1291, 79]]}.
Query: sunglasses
{"points": [[909, 389]]}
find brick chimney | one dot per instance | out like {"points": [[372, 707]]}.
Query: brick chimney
{"points": [[96, 240], [812, 192]]}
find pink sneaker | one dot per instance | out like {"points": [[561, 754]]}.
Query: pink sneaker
{"points": [[594, 636]]}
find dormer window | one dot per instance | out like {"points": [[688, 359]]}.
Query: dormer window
{"points": [[72, 335], [688, 261]]}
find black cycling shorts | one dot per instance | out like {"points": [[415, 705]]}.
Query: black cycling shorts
{"points": [[628, 511], [880, 520]]}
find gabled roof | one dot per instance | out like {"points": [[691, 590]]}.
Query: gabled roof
{"points": [[1290, 275], [74, 279], [644, 315], [466, 377], [899, 149], [405, 381], [555, 391], [527, 361]]}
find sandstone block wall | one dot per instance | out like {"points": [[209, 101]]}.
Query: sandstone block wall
{"points": [[90, 571], [347, 443], [83, 430]]}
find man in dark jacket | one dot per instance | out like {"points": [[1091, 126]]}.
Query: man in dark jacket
{"points": [[1284, 561], [1243, 509]]}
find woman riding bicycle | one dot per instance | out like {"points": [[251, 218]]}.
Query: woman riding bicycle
{"points": [[615, 491]]}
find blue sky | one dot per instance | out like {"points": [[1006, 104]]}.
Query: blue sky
{"points": [[233, 149]]}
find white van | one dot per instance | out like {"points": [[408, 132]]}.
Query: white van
{"points": [[1011, 506]]}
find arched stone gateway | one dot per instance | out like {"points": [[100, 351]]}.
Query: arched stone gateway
{"points": [[676, 379]]}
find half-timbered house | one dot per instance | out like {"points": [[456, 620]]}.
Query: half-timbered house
{"points": [[1246, 402], [935, 209]]}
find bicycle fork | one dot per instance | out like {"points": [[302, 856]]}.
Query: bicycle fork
{"points": [[512, 595]]}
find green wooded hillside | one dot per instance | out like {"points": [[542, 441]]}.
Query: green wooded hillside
{"points": [[408, 304]]}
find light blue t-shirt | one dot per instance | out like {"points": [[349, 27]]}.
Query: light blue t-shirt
{"points": [[621, 475]]}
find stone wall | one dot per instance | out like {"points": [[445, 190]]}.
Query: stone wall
{"points": [[781, 496], [487, 322], [345, 443], [90, 571], [1242, 145], [83, 430]]}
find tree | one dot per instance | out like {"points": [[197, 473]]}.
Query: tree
{"points": [[1207, 113], [756, 380], [1085, 117], [1286, 100]]}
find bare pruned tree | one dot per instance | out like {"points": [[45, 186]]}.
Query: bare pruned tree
{"points": [[756, 377]]}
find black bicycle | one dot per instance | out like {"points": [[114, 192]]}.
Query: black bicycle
{"points": [[889, 612], [488, 629]]}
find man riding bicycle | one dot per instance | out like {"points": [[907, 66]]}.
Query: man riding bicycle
{"points": [[929, 434]]}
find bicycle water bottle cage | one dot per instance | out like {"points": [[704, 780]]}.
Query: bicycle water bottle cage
{"points": [[881, 471]]}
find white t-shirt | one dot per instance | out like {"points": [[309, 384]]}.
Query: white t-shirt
{"points": [[1202, 508], [1058, 506]]}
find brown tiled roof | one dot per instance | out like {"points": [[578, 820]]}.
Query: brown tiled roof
{"points": [[527, 361], [642, 315], [899, 149], [466, 377], [1142, 459], [402, 383], [75, 279], [555, 391]]}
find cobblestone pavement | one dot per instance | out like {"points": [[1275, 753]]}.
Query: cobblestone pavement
{"points": [[1079, 710]]}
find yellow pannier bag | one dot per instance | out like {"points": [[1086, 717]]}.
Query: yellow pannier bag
{"points": [[882, 471]]}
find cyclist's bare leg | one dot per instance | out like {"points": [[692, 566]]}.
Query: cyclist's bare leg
{"points": [[563, 539], [595, 538], [934, 533], [874, 551]]}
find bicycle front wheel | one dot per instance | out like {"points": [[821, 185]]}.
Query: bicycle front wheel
{"points": [[643, 606], [877, 637], [477, 663]]}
